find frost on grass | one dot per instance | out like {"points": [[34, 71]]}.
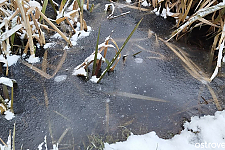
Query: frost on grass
{"points": [[200, 131]]}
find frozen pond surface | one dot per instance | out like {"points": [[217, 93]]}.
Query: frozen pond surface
{"points": [[151, 91]]}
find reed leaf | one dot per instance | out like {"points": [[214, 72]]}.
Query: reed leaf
{"points": [[96, 53], [43, 9], [53, 6], [118, 53]]}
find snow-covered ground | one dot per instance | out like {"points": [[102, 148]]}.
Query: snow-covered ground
{"points": [[205, 133]]}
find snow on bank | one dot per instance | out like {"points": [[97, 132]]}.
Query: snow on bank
{"points": [[205, 133]]}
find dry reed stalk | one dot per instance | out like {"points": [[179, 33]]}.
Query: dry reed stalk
{"points": [[46, 97], [107, 115], [44, 74], [67, 20], [191, 66], [137, 96], [194, 70], [220, 54], [27, 26], [41, 35], [44, 62], [54, 27], [87, 4], [62, 136], [214, 98], [62, 115]]}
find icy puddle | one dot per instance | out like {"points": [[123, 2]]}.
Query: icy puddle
{"points": [[151, 89]]}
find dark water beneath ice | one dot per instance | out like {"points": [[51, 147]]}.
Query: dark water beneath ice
{"points": [[120, 102]]}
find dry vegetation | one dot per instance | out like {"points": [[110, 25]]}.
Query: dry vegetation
{"points": [[190, 14], [25, 21]]}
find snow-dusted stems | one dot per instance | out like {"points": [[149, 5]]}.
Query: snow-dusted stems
{"points": [[118, 53], [220, 47], [57, 30], [10, 144], [25, 18], [77, 11], [198, 15], [6, 103]]}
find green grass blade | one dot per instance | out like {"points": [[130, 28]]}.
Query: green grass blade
{"points": [[79, 3], [96, 53], [43, 9], [119, 51], [107, 62], [53, 6]]}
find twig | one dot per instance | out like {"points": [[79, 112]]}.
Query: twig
{"points": [[113, 17]]}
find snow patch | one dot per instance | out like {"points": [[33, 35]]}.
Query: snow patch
{"points": [[12, 59], [9, 115], [35, 4], [6, 81], [47, 45], [60, 78], [94, 79], [138, 60], [201, 133], [32, 59], [80, 72], [128, 1], [145, 4]]}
